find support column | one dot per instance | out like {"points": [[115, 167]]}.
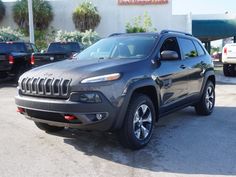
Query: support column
{"points": [[208, 46]]}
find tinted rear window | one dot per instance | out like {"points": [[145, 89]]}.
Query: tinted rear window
{"points": [[12, 47], [64, 47]]}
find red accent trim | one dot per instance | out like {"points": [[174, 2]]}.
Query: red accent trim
{"points": [[20, 110], [69, 117]]}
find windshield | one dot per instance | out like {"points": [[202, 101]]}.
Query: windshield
{"points": [[12, 47], [64, 47], [119, 47]]}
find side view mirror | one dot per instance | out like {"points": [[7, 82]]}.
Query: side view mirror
{"points": [[42, 51], [169, 55]]}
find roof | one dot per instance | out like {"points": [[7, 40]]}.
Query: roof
{"points": [[209, 30]]}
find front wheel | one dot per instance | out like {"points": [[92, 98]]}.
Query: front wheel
{"points": [[48, 128], [207, 103], [137, 128]]}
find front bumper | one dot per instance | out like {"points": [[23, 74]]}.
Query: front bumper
{"points": [[52, 112]]}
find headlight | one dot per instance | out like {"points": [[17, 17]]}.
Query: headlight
{"points": [[108, 77]]}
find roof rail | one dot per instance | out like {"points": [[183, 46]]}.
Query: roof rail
{"points": [[115, 34], [172, 31]]}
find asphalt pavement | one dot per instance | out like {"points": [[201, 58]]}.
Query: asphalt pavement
{"points": [[184, 144]]}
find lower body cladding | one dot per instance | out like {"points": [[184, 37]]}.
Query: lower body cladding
{"points": [[66, 113]]}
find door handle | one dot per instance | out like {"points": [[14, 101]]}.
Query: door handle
{"points": [[182, 66]]}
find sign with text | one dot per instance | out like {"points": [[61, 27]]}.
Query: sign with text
{"points": [[141, 2]]}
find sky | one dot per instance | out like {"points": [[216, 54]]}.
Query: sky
{"points": [[203, 6]]}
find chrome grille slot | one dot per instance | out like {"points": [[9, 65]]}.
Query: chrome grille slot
{"points": [[64, 87], [45, 87], [56, 87]]}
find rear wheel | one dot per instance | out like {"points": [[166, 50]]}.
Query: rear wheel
{"points": [[48, 128], [206, 105], [137, 128], [229, 70], [226, 69]]}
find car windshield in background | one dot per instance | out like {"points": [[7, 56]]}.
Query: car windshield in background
{"points": [[63, 47], [11, 47], [119, 47]]}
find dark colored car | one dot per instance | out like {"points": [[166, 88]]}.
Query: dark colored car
{"points": [[15, 58], [56, 51], [123, 83]]}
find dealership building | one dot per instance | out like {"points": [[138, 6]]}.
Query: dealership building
{"points": [[116, 13]]}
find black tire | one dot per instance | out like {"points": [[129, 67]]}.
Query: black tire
{"points": [[226, 69], [48, 128], [207, 103], [127, 135]]}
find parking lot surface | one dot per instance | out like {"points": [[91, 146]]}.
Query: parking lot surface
{"points": [[183, 144]]}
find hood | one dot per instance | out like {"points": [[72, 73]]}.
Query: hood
{"points": [[76, 70]]}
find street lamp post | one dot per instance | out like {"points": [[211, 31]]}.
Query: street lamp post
{"points": [[31, 21]]}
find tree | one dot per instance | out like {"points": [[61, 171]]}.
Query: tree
{"points": [[86, 17], [140, 24], [42, 11], [2, 10]]}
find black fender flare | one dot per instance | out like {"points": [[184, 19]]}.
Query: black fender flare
{"points": [[128, 95], [206, 77]]}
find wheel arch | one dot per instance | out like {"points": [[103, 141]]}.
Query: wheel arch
{"points": [[147, 87]]}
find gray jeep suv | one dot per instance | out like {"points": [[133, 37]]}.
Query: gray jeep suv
{"points": [[123, 83]]}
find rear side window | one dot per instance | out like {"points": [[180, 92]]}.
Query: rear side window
{"points": [[188, 48], [199, 48], [29, 48]]}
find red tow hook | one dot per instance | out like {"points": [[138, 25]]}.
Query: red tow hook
{"points": [[20, 110], [69, 117]]}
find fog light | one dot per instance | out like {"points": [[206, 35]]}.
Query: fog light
{"points": [[99, 116], [90, 98]]}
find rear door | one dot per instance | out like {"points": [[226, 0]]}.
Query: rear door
{"points": [[193, 56]]}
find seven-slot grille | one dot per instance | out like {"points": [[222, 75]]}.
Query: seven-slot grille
{"points": [[45, 87]]}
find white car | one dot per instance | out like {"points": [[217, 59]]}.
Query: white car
{"points": [[229, 59]]}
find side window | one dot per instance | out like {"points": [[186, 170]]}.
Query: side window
{"points": [[170, 44], [29, 48], [188, 48], [199, 48]]}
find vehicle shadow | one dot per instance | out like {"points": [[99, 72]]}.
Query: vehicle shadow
{"points": [[183, 143]]}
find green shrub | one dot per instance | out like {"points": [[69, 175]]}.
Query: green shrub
{"points": [[44, 37], [2, 10], [42, 11], [7, 34], [86, 38], [140, 24], [86, 17]]}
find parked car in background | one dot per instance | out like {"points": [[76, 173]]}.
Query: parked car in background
{"points": [[56, 51], [229, 59], [123, 83], [15, 58]]}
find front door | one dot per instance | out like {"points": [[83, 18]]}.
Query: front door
{"points": [[172, 77]]}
